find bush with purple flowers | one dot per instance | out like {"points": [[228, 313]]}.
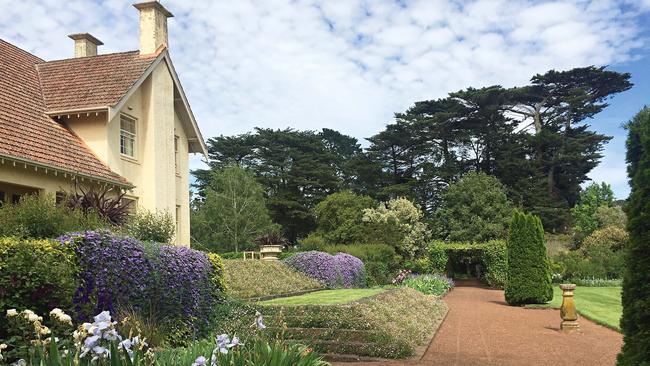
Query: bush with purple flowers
{"points": [[340, 270], [175, 285]]}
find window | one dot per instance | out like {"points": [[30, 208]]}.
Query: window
{"points": [[178, 222], [15, 198], [2, 197], [131, 204], [176, 162], [59, 197], [127, 136]]}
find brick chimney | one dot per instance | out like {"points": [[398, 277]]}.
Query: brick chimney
{"points": [[85, 44], [153, 26]]}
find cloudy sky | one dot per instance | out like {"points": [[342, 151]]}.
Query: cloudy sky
{"points": [[350, 64]]}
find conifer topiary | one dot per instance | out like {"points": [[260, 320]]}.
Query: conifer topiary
{"points": [[529, 273], [635, 322]]}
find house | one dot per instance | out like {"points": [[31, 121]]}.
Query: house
{"points": [[119, 120]]}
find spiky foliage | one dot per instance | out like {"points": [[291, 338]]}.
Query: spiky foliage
{"points": [[271, 239], [529, 273], [107, 202], [635, 322]]}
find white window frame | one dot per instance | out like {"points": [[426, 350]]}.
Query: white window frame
{"points": [[177, 162], [133, 136]]}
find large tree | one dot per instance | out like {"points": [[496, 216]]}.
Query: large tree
{"points": [[233, 212], [635, 322]]}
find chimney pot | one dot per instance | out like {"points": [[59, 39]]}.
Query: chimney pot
{"points": [[153, 26], [85, 44]]}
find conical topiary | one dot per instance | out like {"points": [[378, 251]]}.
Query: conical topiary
{"points": [[529, 272], [635, 322]]}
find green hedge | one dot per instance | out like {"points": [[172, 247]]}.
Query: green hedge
{"points": [[380, 260], [490, 257], [35, 274], [529, 272]]}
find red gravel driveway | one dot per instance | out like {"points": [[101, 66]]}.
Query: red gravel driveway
{"points": [[481, 329]]}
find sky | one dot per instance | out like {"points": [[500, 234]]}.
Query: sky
{"points": [[350, 65]]}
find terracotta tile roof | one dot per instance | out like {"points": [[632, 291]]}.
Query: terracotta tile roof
{"points": [[26, 132], [87, 82]]}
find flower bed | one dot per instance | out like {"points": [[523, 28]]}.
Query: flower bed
{"points": [[391, 324], [247, 279]]}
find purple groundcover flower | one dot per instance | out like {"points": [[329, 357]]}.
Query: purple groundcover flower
{"points": [[342, 270]]}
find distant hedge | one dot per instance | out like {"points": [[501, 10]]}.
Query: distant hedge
{"points": [[380, 260], [491, 256], [529, 273]]}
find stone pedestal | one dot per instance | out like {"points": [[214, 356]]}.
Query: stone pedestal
{"points": [[270, 252], [568, 311]]}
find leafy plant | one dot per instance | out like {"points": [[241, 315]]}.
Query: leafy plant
{"points": [[429, 284], [273, 238], [339, 218], [529, 274], [107, 202], [37, 274], [38, 216], [156, 226]]}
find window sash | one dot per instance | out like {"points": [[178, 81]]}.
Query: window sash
{"points": [[127, 136]]}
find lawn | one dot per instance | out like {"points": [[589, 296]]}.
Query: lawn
{"points": [[326, 297], [600, 304]]}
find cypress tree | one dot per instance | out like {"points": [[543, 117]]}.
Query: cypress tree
{"points": [[635, 322], [529, 273]]}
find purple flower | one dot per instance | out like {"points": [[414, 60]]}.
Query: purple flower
{"points": [[341, 270]]}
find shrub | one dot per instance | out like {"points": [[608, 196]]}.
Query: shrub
{"points": [[474, 209], [254, 278], [495, 259], [157, 226], [635, 323], [429, 284], [106, 201], [339, 217], [437, 257], [176, 286], [611, 216], [312, 242], [529, 274], [333, 271], [35, 274], [37, 216], [609, 238], [351, 270], [398, 222], [317, 265], [380, 260], [232, 255]]}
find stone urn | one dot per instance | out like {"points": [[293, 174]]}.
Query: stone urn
{"points": [[568, 310], [270, 252]]}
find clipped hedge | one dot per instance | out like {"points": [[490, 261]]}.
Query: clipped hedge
{"points": [[391, 324], [340, 270], [247, 279], [35, 274], [529, 272], [491, 259]]}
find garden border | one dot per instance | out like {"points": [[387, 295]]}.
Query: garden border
{"points": [[278, 296]]}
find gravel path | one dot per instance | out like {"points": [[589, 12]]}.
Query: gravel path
{"points": [[481, 329]]}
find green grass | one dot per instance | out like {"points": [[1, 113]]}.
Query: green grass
{"points": [[599, 304], [326, 297]]}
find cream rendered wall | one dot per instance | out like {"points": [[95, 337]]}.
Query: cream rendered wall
{"points": [[182, 178], [46, 183]]}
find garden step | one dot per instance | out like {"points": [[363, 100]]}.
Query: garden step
{"points": [[340, 335], [338, 357], [307, 321], [364, 349]]}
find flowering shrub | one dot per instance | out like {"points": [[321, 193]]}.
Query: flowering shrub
{"points": [[39, 274], [178, 286], [342, 270], [429, 284], [351, 270], [114, 271]]}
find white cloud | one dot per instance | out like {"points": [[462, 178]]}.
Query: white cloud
{"points": [[346, 64]]}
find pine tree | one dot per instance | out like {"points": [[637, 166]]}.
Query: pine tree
{"points": [[529, 273], [635, 322]]}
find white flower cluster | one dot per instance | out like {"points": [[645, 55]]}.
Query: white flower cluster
{"points": [[93, 338], [2, 347], [33, 319], [59, 316]]}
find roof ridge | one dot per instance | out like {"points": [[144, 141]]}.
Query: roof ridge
{"points": [[61, 60]]}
